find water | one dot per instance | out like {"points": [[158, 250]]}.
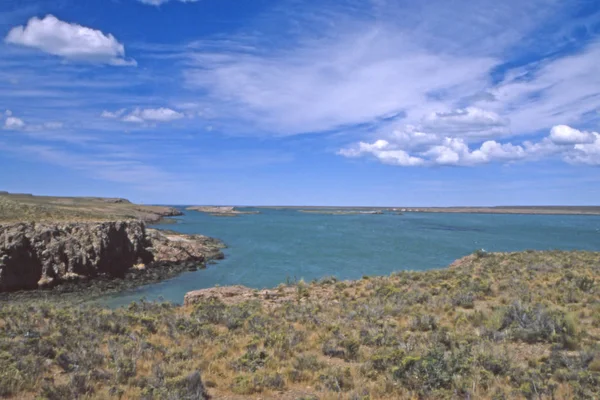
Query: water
{"points": [[278, 245]]}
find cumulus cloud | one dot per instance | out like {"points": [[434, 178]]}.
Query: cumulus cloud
{"points": [[570, 144], [69, 40], [14, 123], [147, 115], [563, 134], [384, 152], [586, 153]]}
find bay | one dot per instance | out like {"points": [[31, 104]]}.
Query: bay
{"points": [[281, 245]]}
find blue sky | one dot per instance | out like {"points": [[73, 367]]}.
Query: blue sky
{"points": [[302, 102]]}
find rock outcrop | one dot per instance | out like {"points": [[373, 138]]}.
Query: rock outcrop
{"points": [[169, 246], [34, 255]]}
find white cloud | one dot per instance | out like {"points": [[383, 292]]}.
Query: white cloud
{"points": [[14, 123], [159, 2], [432, 66], [113, 115], [160, 114], [470, 122], [348, 79], [133, 118], [549, 92], [384, 152], [586, 153], [69, 40], [563, 134], [455, 151], [17, 124], [494, 151], [148, 115]]}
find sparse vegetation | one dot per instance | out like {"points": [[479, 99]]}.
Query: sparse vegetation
{"points": [[501, 326], [22, 208]]}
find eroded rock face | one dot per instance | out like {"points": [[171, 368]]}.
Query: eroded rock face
{"points": [[34, 255], [39, 254]]}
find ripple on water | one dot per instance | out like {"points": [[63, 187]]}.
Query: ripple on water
{"points": [[269, 248]]}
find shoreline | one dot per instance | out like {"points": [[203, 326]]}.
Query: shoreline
{"points": [[516, 210]]}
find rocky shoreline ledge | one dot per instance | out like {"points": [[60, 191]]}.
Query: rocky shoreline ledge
{"points": [[85, 247], [113, 255]]}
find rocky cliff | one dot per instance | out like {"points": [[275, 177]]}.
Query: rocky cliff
{"points": [[34, 255]]}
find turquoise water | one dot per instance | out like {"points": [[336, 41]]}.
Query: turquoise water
{"points": [[274, 246]]}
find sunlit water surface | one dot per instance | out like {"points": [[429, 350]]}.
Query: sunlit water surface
{"points": [[279, 245]]}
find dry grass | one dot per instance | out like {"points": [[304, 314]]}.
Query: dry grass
{"points": [[20, 208], [492, 326]]}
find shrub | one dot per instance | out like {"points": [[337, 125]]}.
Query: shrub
{"points": [[386, 359], [304, 362], [424, 323], [189, 387], [337, 379], [536, 324], [331, 348], [351, 347], [585, 284], [251, 361], [464, 300], [435, 370]]}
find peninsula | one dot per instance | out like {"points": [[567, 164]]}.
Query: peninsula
{"points": [[220, 211]]}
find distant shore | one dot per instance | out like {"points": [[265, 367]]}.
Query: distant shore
{"points": [[543, 210], [220, 211]]}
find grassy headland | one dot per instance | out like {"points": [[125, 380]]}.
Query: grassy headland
{"points": [[25, 207], [492, 326]]}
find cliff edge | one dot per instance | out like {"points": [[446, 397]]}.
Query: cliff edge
{"points": [[38, 255]]}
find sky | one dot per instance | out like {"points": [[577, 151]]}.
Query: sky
{"points": [[289, 102]]}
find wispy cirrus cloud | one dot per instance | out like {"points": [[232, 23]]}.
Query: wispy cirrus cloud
{"points": [[159, 2], [400, 61], [354, 79], [109, 166], [144, 115]]}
